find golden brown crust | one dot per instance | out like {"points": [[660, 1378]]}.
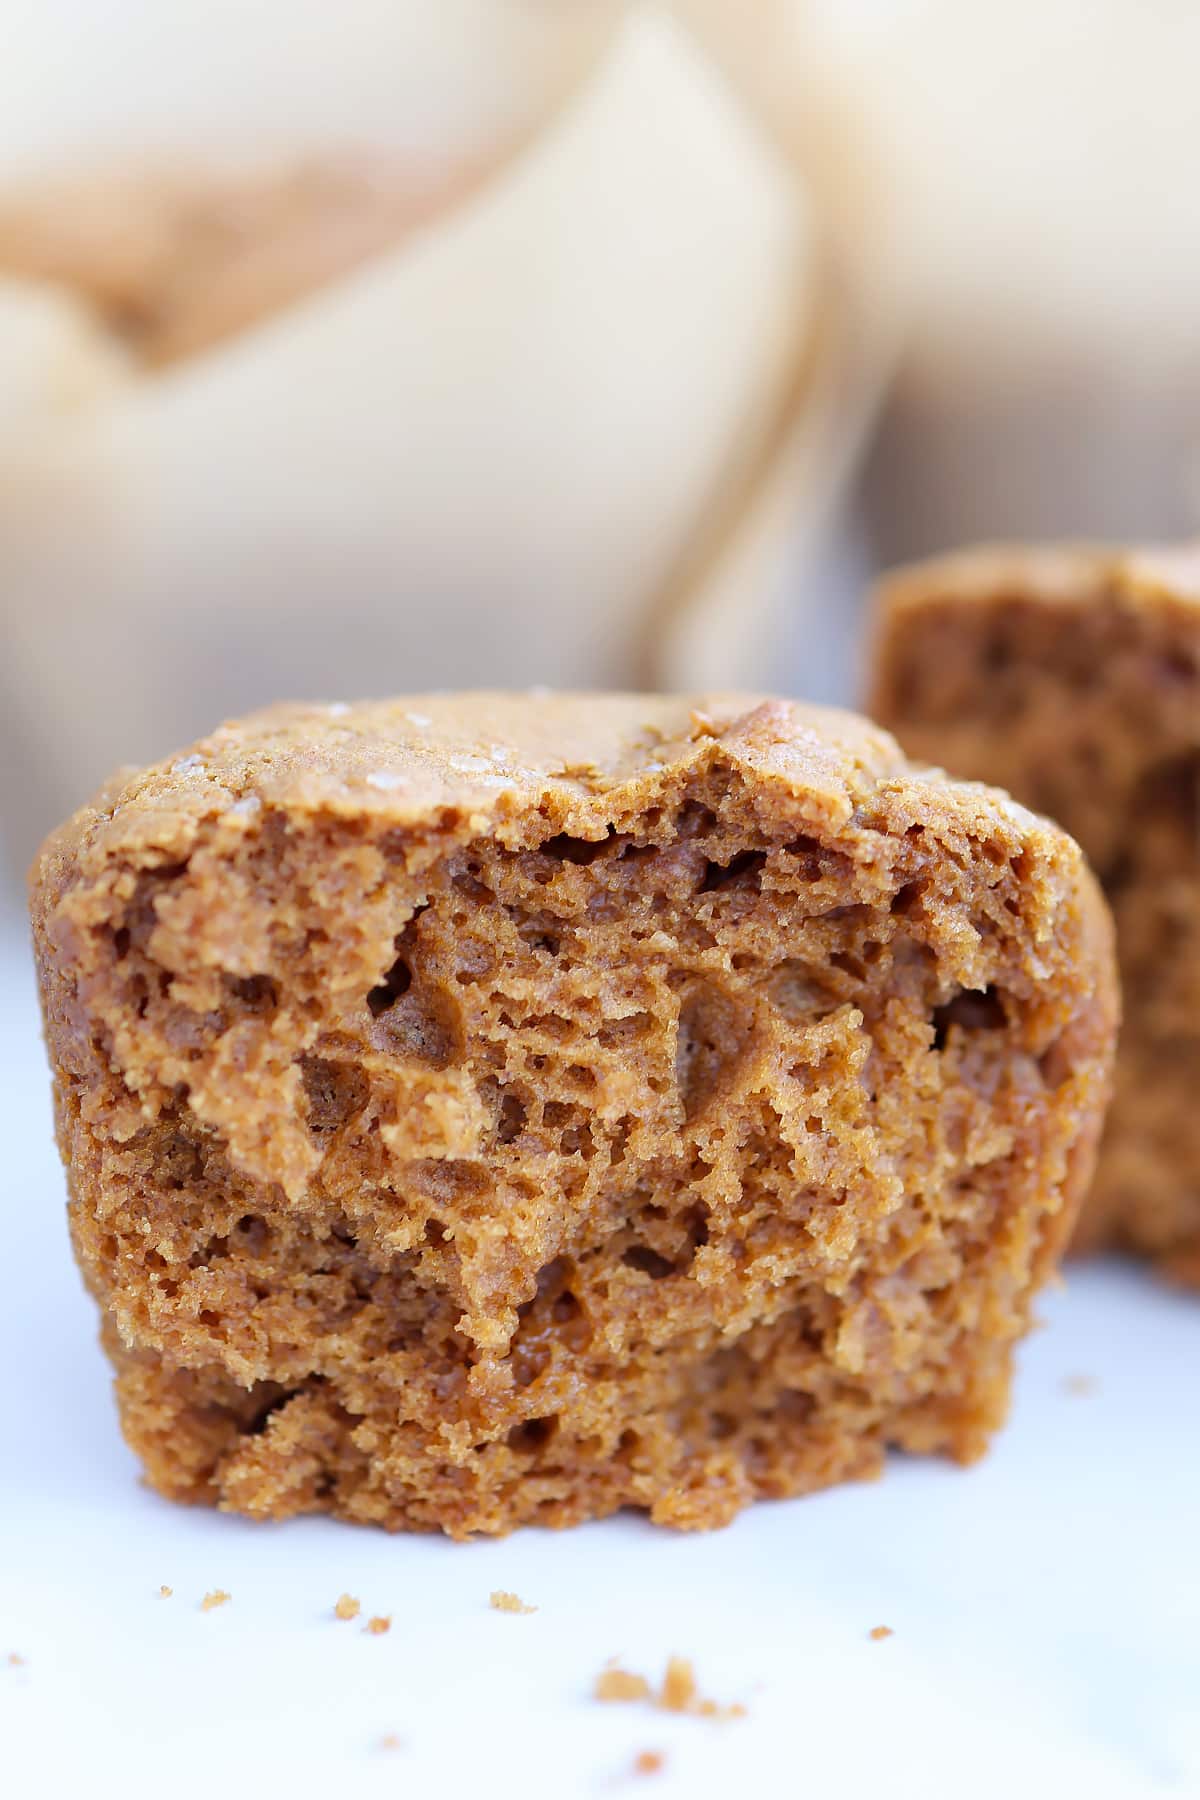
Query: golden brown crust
{"points": [[1071, 575], [489, 1108], [1071, 676], [403, 762]]}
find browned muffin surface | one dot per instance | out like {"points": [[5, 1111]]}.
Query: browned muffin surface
{"points": [[487, 1109], [1072, 678]]}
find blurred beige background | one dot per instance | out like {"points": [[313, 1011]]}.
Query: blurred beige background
{"points": [[505, 341]]}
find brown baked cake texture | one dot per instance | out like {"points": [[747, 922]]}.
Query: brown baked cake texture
{"points": [[491, 1109], [1072, 678]]}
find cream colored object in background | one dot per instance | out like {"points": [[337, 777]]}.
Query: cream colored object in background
{"points": [[593, 424], [1045, 173], [1015, 186], [431, 83], [480, 459], [768, 586]]}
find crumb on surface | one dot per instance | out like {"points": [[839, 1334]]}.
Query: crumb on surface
{"points": [[15, 1660], [500, 1600], [214, 1598], [621, 1684], [165, 1592], [879, 1632], [678, 1693], [379, 1624], [390, 1741], [649, 1762], [346, 1607], [1079, 1385]]}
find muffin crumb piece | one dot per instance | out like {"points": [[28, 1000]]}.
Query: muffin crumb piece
{"points": [[390, 1741], [347, 1607], [649, 1762], [15, 1660], [165, 1592], [621, 1684], [879, 1632], [501, 1601], [214, 1598], [678, 1692], [1079, 1385], [379, 1624]]}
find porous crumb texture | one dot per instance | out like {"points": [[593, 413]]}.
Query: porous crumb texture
{"points": [[494, 1109], [1073, 679]]}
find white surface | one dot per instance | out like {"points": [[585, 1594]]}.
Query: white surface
{"points": [[1046, 1605]]}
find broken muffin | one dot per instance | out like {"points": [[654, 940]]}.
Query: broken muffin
{"points": [[1072, 677], [491, 1109]]}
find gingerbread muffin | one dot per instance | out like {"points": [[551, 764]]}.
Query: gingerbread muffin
{"points": [[1072, 677], [491, 1109]]}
